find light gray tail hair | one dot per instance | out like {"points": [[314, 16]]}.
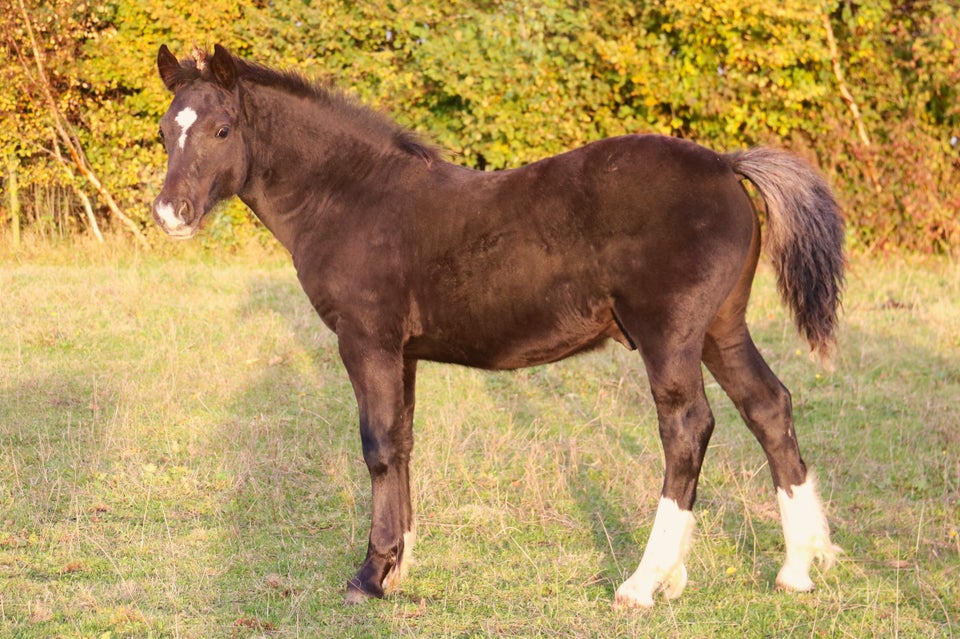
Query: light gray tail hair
{"points": [[805, 239]]}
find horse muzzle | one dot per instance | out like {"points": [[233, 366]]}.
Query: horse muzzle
{"points": [[178, 219]]}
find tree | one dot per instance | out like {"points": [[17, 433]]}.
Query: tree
{"points": [[866, 90], [900, 60], [32, 65]]}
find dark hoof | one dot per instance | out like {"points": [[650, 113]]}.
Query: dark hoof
{"points": [[357, 593]]}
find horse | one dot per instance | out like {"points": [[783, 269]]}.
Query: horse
{"points": [[648, 240]]}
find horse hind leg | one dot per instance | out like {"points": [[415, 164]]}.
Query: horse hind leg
{"points": [[686, 423], [765, 405]]}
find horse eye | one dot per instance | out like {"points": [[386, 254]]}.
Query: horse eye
{"points": [[223, 132], [160, 133]]}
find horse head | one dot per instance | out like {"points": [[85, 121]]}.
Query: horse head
{"points": [[202, 133]]}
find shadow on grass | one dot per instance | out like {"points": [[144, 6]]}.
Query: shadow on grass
{"points": [[607, 509], [318, 421], [52, 435], [298, 510], [56, 441]]}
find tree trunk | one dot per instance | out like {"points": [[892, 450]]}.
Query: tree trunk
{"points": [[13, 196], [851, 103], [69, 139]]}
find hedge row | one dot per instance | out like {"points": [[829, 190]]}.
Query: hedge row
{"points": [[866, 90]]}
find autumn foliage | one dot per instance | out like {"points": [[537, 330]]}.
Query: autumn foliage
{"points": [[866, 90]]}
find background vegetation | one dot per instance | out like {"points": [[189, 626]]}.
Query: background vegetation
{"points": [[865, 89]]}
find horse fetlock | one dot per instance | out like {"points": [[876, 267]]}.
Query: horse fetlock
{"points": [[401, 567], [370, 580], [662, 566], [807, 536], [794, 576], [674, 583], [381, 571]]}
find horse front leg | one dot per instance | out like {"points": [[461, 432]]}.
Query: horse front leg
{"points": [[384, 385]]}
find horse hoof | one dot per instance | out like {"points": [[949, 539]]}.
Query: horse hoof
{"points": [[792, 579], [626, 602], [355, 597], [357, 594], [629, 596]]}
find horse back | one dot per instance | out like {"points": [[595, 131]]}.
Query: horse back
{"points": [[513, 268]]}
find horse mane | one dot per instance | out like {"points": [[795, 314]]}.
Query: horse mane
{"points": [[296, 84]]}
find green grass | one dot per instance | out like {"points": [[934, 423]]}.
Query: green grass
{"points": [[179, 458]]}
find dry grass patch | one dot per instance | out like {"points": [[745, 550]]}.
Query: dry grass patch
{"points": [[179, 458]]}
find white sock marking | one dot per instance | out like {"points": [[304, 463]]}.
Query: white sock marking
{"points": [[185, 119], [662, 565], [807, 536]]}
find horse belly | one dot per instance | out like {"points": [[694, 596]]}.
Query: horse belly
{"points": [[514, 335]]}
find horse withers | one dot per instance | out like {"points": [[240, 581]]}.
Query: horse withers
{"points": [[648, 240]]}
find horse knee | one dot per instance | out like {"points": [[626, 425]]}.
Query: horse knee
{"points": [[383, 448], [377, 454]]}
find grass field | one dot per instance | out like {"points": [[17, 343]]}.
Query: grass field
{"points": [[179, 458]]}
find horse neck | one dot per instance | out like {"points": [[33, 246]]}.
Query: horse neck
{"points": [[305, 155]]}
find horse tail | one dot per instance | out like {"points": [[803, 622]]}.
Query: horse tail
{"points": [[805, 240]]}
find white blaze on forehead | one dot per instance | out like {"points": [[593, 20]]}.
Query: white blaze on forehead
{"points": [[166, 213], [185, 119]]}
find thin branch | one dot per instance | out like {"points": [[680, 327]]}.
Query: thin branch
{"points": [[849, 100], [87, 207], [13, 198], [65, 133]]}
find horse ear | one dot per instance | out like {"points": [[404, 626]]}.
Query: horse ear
{"points": [[224, 67], [169, 67]]}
